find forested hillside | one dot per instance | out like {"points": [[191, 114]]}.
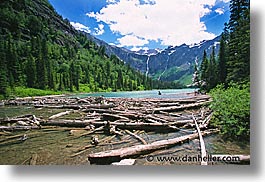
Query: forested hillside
{"points": [[39, 49], [227, 75]]}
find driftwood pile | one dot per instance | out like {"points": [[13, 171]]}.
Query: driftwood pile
{"points": [[121, 113], [119, 117]]}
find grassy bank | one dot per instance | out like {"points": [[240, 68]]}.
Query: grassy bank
{"points": [[28, 92]]}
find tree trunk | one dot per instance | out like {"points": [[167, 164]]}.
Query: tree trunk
{"points": [[179, 108], [18, 128], [60, 114], [122, 124], [116, 155], [202, 145]]}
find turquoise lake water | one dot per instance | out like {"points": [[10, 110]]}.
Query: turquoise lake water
{"points": [[168, 93]]}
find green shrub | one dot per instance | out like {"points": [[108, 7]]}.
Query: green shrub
{"points": [[30, 92], [231, 108]]}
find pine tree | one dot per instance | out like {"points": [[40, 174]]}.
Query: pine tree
{"points": [[238, 64], [222, 61], [12, 62], [3, 70], [41, 72], [72, 76], [204, 72], [120, 80], [77, 77], [31, 72], [50, 74], [212, 70]]}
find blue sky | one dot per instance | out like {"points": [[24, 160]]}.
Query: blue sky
{"points": [[142, 24]]}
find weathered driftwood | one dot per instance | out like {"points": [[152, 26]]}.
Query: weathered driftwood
{"points": [[202, 145], [71, 123], [168, 104], [91, 110], [75, 107], [28, 119], [113, 117], [206, 121], [13, 120], [157, 118], [18, 128], [136, 136], [110, 156], [122, 124], [179, 108], [60, 114]]}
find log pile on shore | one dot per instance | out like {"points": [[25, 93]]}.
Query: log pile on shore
{"points": [[122, 113], [117, 117]]}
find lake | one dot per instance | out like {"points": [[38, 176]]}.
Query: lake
{"points": [[166, 93]]}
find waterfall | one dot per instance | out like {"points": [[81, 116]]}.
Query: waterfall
{"points": [[147, 66]]}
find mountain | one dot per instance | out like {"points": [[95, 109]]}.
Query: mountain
{"points": [[39, 49], [171, 64]]}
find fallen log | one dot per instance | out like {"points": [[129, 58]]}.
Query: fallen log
{"points": [[155, 122], [100, 110], [71, 123], [60, 114], [18, 128], [24, 118], [75, 107], [207, 120], [136, 136], [107, 157], [202, 145], [13, 120], [126, 114], [113, 117], [122, 124], [157, 118], [168, 104], [179, 108]]}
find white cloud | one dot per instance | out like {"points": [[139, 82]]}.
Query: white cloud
{"points": [[220, 11], [111, 1], [99, 30], [225, 1], [81, 27], [171, 22], [131, 40]]}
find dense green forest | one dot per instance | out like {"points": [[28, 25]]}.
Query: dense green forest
{"points": [[39, 49], [227, 75]]}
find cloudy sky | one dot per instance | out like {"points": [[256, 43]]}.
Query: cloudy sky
{"points": [[136, 24]]}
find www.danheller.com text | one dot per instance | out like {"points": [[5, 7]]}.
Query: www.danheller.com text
{"points": [[196, 158]]}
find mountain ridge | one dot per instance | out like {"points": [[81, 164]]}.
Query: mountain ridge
{"points": [[174, 63]]}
